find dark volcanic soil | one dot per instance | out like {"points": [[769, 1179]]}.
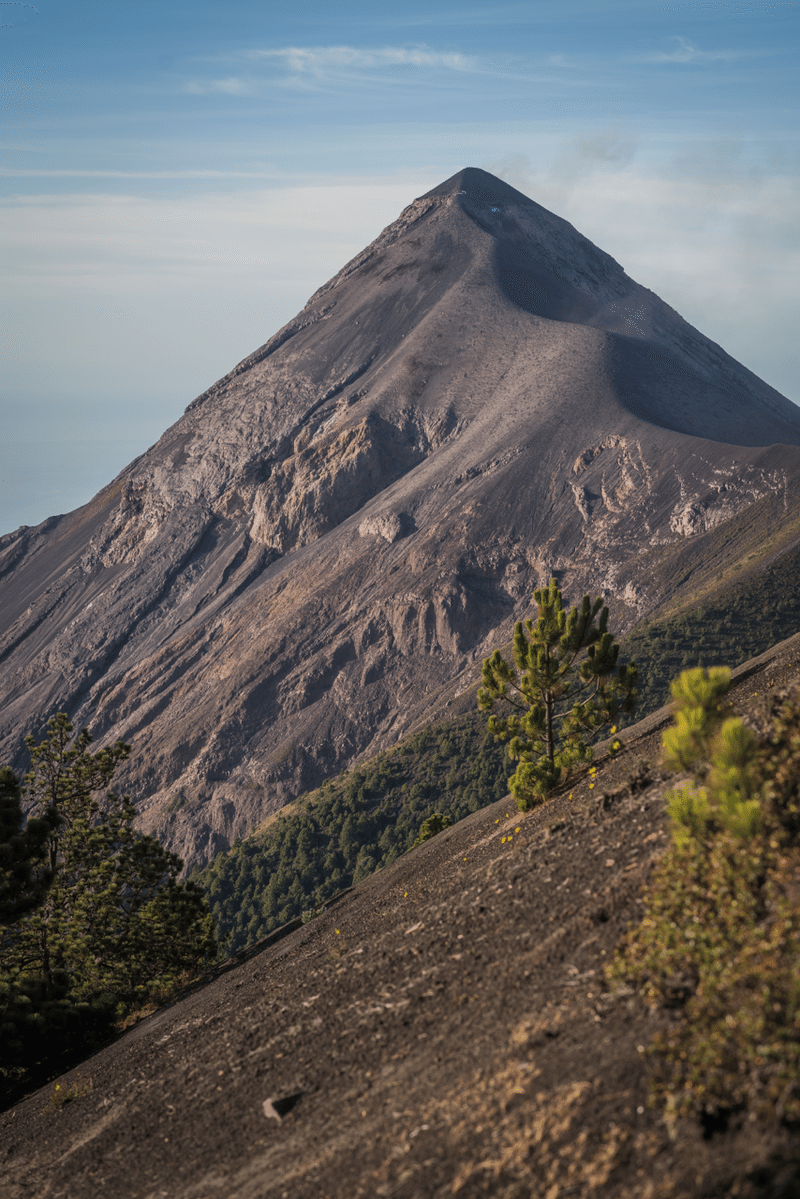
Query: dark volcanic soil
{"points": [[444, 1029]]}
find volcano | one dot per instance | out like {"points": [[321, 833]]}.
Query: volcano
{"points": [[320, 552]]}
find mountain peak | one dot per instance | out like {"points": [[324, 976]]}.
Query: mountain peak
{"points": [[323, 548], [479, 186]]}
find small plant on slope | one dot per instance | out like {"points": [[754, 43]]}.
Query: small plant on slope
{"points": [[430, 827], [720, 938], [560, 700]]}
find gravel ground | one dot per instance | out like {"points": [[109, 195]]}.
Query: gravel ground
{"points": [[443, 1029]]}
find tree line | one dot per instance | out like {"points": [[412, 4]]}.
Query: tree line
{"points": [[351, 826]]}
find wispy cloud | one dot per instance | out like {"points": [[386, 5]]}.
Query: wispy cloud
{"points": [[318, 60], [233, 86], [686, 52], [312, 66]]}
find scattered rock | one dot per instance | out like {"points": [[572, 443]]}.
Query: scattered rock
{"points": [[278, 1107]]}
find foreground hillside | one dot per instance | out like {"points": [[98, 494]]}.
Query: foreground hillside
{"points": [[444, 1029]]}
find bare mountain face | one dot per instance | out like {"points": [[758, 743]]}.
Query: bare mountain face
{"points": [[320, 551]]}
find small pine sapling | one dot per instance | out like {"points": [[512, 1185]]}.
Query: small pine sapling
{"points": [[564, 688], [719, 941], [722, 754]]}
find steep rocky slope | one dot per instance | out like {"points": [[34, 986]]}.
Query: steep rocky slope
{"points": [[321, 549], [443, 1030]]}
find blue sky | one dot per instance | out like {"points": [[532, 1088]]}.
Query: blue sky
{"points": [[178, 178]]}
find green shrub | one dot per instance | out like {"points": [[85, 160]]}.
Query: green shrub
{"points": [[430, 827], [722, 754]]}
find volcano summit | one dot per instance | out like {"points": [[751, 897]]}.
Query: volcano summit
{"points": [[323, 547]]}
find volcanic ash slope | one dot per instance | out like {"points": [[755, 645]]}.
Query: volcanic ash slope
{"points": [[326, 543]]}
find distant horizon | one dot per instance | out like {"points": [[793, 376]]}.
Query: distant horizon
{"points": [[174, 193]]}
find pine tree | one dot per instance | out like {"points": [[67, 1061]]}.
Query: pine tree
{"points": [[560, 701], [24, 877], [116, 920], [41, 1028]]}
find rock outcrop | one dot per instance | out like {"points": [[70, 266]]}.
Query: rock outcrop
{"points": [[321, 550]]}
